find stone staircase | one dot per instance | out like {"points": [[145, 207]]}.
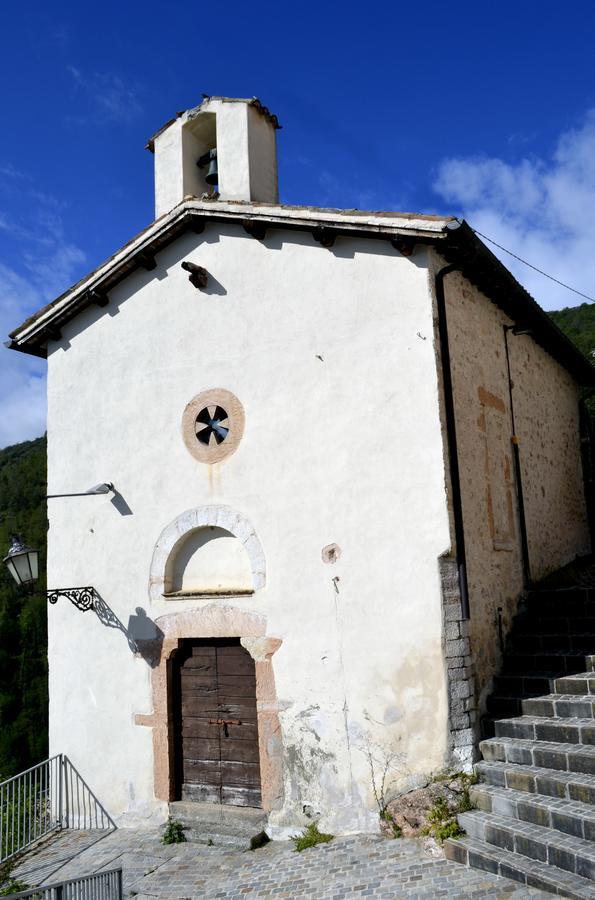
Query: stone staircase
{"points": [[232, 827], [534, 820]]}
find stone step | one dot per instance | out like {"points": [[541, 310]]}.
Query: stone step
{"points": [[213, 823], [488, 729], [582, 683], [565, 851], [569, 602], [572, 590], [523, 685], [546, 755], [554, 665], [488, 858], [551, 643], [556, 706], [541, 728], [538, 780], [525, 623], [560, 706], [501, 707], [566, 816]]}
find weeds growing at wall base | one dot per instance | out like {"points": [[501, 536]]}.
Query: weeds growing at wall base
{"points": [[443, 821], [386, 816], [173, 832], [309, 837]]}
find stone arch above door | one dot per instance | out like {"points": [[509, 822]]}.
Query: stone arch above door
{"points": [[177, 532]]}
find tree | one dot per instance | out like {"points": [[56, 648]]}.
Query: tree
{"points": [[23, 615]]}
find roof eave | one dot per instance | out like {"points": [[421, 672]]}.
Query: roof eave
{"points": [[458, 245], [31, 336], [250, 101], [480, 266]]}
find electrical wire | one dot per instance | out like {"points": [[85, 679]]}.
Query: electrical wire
{"points": [[531, 266]]}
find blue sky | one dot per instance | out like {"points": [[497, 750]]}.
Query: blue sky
{"points": [[482, 110]]}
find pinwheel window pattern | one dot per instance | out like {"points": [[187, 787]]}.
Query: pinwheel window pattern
{"points": [[212, 425]]}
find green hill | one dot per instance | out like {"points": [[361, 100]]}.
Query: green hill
{"points": [[23, 615], [578, 323]]}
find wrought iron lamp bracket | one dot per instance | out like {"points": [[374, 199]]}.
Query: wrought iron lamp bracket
{"points": [[82, 597]]}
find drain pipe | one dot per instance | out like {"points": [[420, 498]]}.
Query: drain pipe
{"points": [[451, 436], [517, 465]]}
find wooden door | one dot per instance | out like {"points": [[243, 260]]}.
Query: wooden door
{"points": [[216, 725]]}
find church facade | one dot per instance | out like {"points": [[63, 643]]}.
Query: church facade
{"points": [[341, 444]]}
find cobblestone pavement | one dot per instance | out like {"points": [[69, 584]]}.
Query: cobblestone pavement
{"points": [[355, 866]]}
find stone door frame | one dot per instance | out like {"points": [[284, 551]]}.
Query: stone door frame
{"points": [[216, 621]]}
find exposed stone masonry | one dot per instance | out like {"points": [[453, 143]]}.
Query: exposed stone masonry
{"points": [[461, 686]]}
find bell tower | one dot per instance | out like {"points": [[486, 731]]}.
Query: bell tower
{"points": [[222, 148]]}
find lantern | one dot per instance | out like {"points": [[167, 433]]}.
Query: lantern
{"points": [[22, 562]]}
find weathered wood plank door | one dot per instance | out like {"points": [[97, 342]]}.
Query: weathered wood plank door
{"points": [[216, 724]]}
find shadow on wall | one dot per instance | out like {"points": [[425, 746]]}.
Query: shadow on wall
{"points": [[214, 287], [144, 637], [120, 504]]}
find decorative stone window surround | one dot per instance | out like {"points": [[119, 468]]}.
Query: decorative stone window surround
{"points": [[213, 452], [202, 516]]}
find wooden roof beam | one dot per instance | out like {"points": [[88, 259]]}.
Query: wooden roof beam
{"points": [[146, 259], [99, 298], [324, 236], [255, 229]]}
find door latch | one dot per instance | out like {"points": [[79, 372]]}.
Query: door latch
{"points": [[225, 723]]}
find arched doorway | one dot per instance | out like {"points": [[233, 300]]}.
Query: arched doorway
{"points": [[215, 726]]}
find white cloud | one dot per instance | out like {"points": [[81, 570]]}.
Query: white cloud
{"points": [[112, 99], [22, 378], [543, 209], [56, 270], [44, 264], [7, 170]]}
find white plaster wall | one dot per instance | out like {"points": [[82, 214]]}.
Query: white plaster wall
{"points": [[262, 150], [233, 160], [331, 355], [169, 168]]}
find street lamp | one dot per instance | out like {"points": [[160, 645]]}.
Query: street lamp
{"points": [[22, 562]]}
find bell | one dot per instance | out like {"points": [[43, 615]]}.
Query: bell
{"points": [[209, 158], [212, 176]]}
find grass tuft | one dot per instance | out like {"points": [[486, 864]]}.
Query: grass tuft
{"points": [[309, 837], [395, 829], [443, 822], [173, 832]]}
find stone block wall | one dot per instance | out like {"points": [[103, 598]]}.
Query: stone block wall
{"points": [[546, 414], [462, 712]]}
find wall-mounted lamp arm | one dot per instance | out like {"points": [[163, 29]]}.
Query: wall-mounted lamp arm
{"points": [[81, 597], [103, 488]]}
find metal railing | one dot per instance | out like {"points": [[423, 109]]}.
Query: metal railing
{"points": [[100, 886], [45, 798]]}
